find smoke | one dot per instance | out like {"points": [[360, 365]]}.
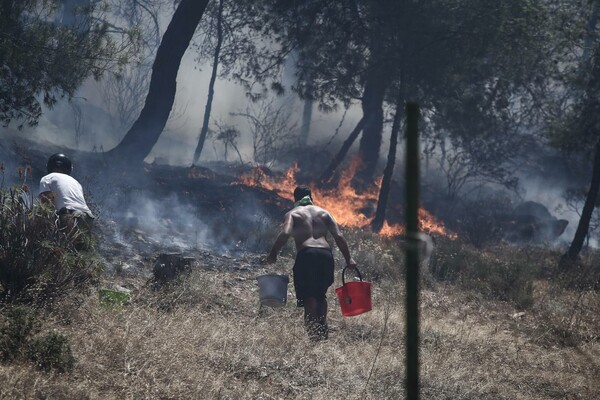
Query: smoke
{"points": [[156, 223], [177, 143], [168, 222], [85, 123], [154, 218], [88, 121], [551, 193]]}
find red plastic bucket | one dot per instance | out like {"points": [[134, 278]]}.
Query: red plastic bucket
{"points": [[354, 297]]}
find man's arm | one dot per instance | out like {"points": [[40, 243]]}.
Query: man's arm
{"points": [[47, 198], [340, 241], [282, 238]]}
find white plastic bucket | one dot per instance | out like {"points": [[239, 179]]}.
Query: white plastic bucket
{"points": [[272, 289]]}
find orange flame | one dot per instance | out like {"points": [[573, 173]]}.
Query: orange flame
{"points": [[344, 202], [429, 224]]}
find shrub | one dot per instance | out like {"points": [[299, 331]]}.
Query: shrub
{"points": [[17, 327], [38, 259], [496, 278], [448, 260], [52, 352], [477, 220], [481, 228], [376, 256]]}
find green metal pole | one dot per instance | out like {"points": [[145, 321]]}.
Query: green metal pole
{"points": [[412, 252]]}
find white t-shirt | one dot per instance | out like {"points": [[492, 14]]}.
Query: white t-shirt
{"points": [[68, 191]]}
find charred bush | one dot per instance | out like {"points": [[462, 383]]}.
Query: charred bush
{"points": [[476, 221], [169, 267], [39, 259]]}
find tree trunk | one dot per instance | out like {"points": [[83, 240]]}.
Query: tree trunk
{"points": [[211, 85], [590, 127], [143, 135], [326, 176], [306, 119], [588, 209], [384, 191], [372, 105], [590, 33]]}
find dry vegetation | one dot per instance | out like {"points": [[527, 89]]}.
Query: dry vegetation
{"points": [[204, 336]]}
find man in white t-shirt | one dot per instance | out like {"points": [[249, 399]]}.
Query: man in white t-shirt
{"points": [[63, 191]]}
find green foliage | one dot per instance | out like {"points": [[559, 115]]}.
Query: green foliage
{"points": [[495, 278], [52, 352], [18, 325], [456, 57], [46, 53], [113, 299], [38, 259], [572, 108]]}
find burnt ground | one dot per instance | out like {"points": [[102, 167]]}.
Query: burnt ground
{"points": [[161, 208], [203, 209], [195, 210]]}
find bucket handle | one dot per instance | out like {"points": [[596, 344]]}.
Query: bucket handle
{"points": [[344, 273]]}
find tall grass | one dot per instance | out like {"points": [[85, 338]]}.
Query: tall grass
{"points": [[38, 258], [212, 342], [489, 274], [204, 336]]}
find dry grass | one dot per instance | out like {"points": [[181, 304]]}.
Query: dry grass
{"points": [[206, 339]]}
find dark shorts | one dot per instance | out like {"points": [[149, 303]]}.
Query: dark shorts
{"points": [[313, 273]]}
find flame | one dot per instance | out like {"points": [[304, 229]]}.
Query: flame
{"points": [[391, 230], [429, 224], [343, 202]]}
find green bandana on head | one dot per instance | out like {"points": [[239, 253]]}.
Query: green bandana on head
{"points": [[305, 201]]}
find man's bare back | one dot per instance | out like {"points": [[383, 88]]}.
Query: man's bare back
{"points": [[309, 225]]}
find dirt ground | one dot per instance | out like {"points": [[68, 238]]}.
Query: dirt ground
{"points": [[207, 338]]}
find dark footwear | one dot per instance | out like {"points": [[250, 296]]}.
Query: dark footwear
{"points": [[318, 332]]}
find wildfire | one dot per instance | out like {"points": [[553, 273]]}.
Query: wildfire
{"points": [[431, 225], [343, 202]]}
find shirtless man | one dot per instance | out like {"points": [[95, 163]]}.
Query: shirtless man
{"points": [[313, 269]]}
